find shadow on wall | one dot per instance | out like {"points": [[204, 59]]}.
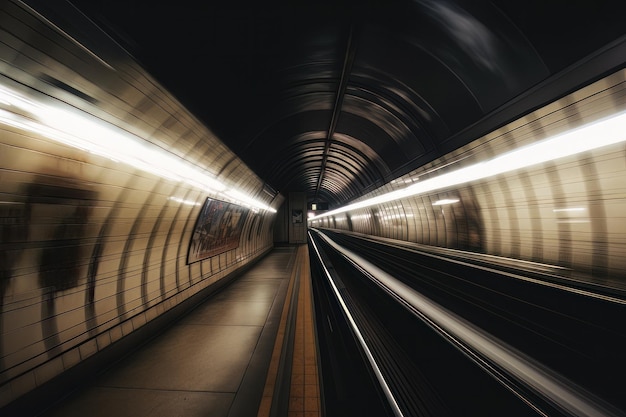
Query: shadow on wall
{"points": [[14, 220], [451, 221], [468, 223], [50, 218]]}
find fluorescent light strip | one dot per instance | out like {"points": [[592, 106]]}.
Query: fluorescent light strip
{"points": [[446, 201], [604, 132], [183, 201], [73, 128]]}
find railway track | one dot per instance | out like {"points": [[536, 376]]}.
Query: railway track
{"points": [[440, 335]]}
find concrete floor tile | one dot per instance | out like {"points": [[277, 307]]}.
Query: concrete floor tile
{"points": [[107, 402], [249, 291], [189, 357], [226, 312]]}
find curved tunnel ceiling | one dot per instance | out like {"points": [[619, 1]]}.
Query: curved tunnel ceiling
{"points": [[336, 98]]}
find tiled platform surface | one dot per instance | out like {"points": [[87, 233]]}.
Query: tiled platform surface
{"points": [[218, 360]]}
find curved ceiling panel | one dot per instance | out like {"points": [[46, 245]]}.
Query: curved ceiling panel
{"points": [[358, 167], [337, 97]]}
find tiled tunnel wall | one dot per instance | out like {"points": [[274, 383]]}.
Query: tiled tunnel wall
{"points": [[92, 248], [570, 212]]}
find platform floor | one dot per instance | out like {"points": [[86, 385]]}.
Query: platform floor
{"points": [[222, 359]]}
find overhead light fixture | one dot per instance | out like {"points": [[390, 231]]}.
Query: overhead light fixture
{"points": [[77, 129], [607, 131]]}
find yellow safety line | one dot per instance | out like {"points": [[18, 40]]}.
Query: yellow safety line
{"points": [[272, 373], [304, 397]]}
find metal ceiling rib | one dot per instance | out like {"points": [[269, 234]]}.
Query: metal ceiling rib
{"points": [[341, 91], [302, 161]]}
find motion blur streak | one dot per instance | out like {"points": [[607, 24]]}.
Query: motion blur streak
{"points": [[381, 379], [75, 129], [604, 132], [543, 381]]}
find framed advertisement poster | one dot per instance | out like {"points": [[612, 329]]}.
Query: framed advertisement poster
{"points": [[217, 229]]}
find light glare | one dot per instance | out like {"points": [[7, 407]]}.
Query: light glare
{"points": [[604, 132], [446, 201], [69, 127]]}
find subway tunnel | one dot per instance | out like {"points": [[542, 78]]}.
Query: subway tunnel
{"points": [[465, 159]]}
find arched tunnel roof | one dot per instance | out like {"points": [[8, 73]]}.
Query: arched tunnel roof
{"points": [[335, 98]]}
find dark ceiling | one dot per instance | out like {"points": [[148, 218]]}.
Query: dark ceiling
{"points": [[336, 98]]}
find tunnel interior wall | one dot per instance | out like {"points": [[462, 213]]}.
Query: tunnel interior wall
{"points": [[297, 217], [92, 248], [290, 225], [568, 212]]}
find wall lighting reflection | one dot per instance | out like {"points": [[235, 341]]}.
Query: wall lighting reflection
{"points": [[182, 201], [446, 201], [573, 221], [77, 129], [569, 209], [607, 131]]}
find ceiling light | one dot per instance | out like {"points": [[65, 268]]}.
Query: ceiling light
{"points": [[604, 132], [77, 129]]}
